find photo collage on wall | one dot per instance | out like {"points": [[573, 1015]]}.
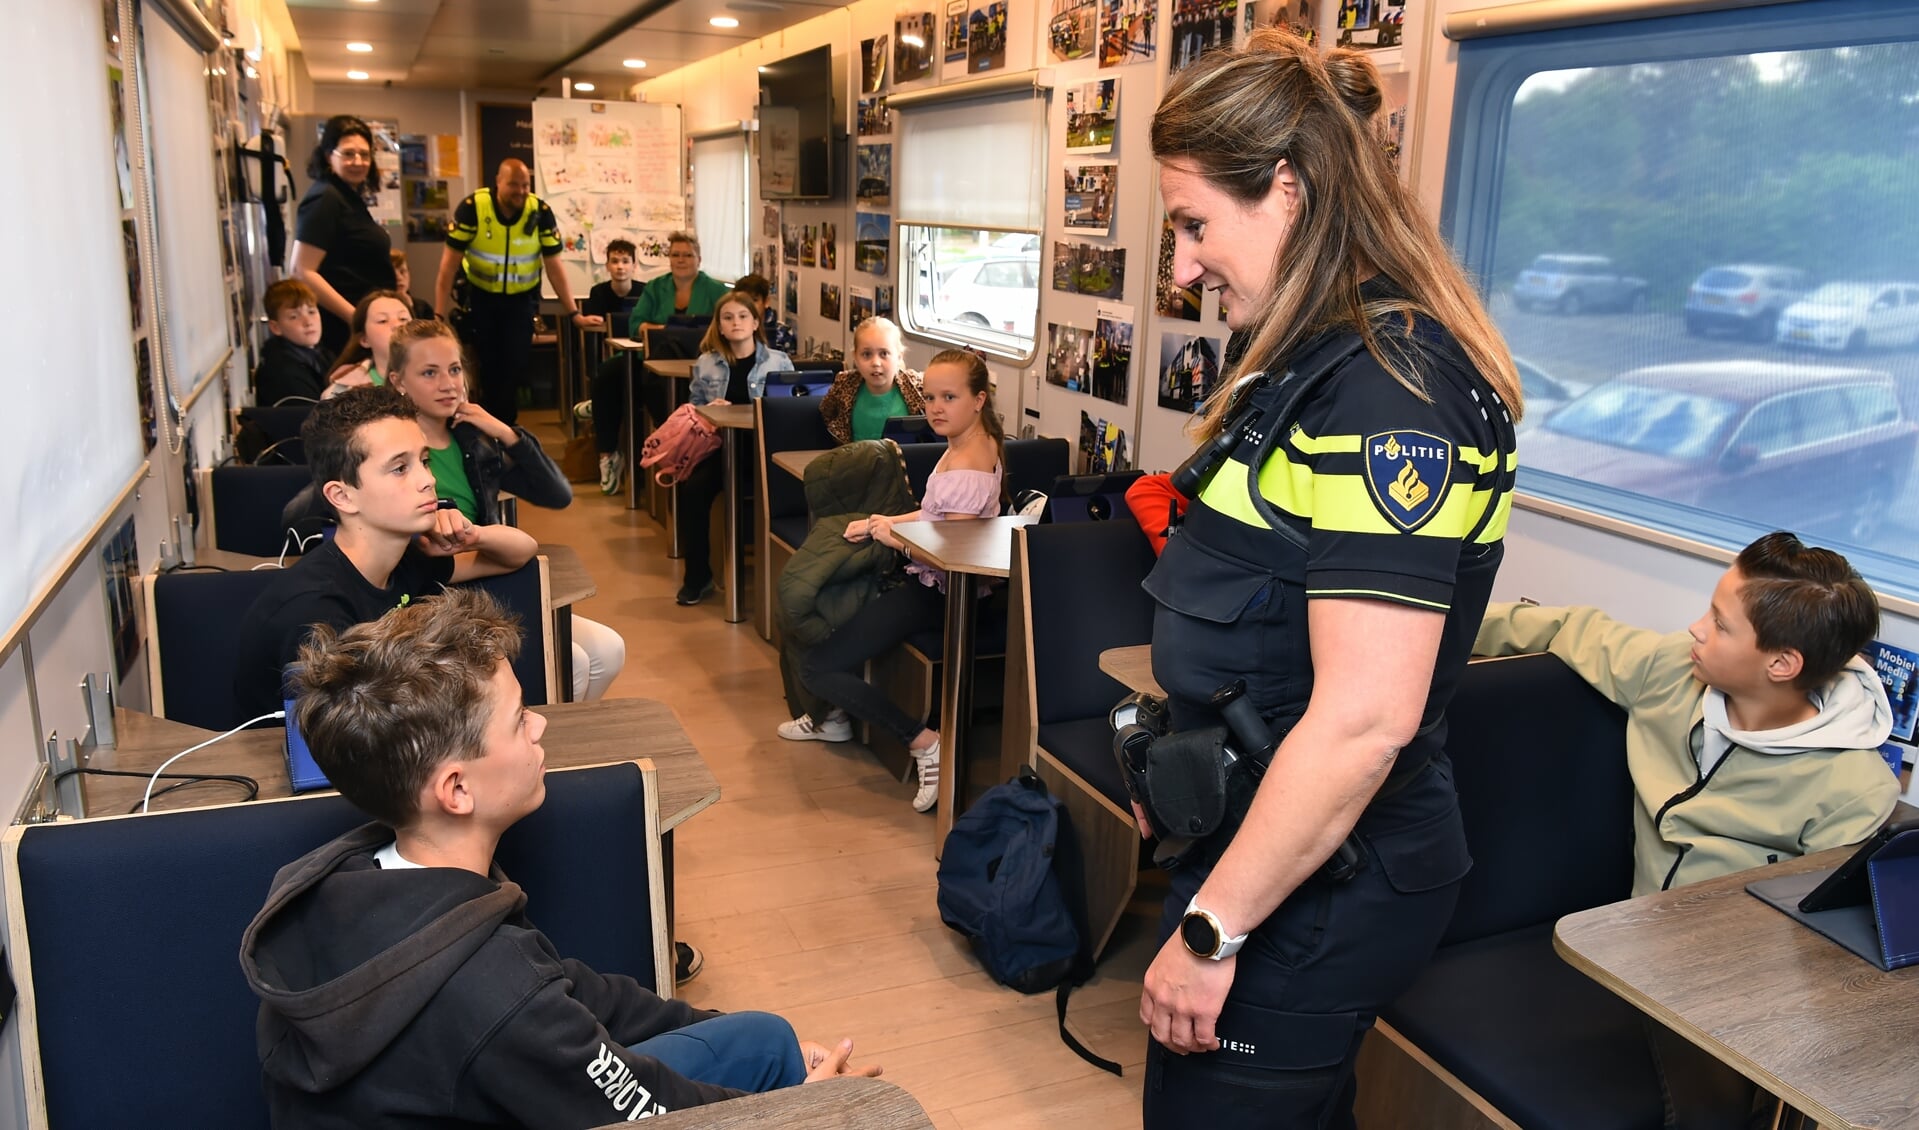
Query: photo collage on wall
{"points": [[872, 242], [1200, 26], [953, 40], [1070, 33], [875, 119], [1368, 24], [1102, 446], [830, 301], [1112, 353], [1069, 357], [1188, 370], [1090, 193], [1126, 31], [873, 65], [1169, 298], [875, 176], [914, 38], [859, 306], [607, 177], [986, 37], [1085, 268], [1092, 116]]}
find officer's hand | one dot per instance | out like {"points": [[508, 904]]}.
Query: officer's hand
{"points": [[1145, 825], [1183, 996], [589, 321]]}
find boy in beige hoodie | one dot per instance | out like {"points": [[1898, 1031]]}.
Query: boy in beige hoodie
{"points": [[1751, 737]]}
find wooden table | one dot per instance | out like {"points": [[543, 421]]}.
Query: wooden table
{"points": [[795, 463], [1803, 1018], [965, 549], [586, 733], [732, 420], [1132, 666], [851, 1103]]}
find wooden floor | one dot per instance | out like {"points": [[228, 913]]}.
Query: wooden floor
{"points": [[810, 884]]}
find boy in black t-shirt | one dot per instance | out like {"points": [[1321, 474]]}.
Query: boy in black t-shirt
{"points": [[291, 362], [394, 545], [606, 308]]}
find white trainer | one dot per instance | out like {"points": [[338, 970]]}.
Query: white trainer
{"points": [[928, 761], [612, 466], [836, 727]]}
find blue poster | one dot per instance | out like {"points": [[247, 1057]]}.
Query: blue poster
{"points": [[1896, 667]]}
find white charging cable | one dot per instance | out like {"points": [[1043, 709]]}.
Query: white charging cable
{"points": [[168, 763]]}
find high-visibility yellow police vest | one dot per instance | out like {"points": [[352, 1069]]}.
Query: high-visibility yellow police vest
{"points": [[503, 258]]}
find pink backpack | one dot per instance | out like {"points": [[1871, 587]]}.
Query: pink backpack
{"points": [[679, 444]]}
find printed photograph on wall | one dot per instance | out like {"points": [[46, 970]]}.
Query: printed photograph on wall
{"points": [[829, 247], [986, 37], [1188, 370], [1294, 14], [790, 242], [1090, 190], [123, 165], [135, 294], [1200, 26], [1126, 31], [872, 242], [1102, 446], [770, 221], [1371, 23], [790, 302], [883, 301], [1169, 298], [809, 247], [955, 37], [143, 377], [1092, 116], [873, 65], [913, 46], [119, 564], [759, 262], [875, 119], [1069, 34], [1085, 268], [875, 179], [1112, 353], [830, 301], [1069, 357], [859, 306]]}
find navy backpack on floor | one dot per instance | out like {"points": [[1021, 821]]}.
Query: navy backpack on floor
{"points": [[998, 886]]}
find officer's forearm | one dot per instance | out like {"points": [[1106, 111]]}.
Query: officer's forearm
{"points": [[1366, 705], [443, 281]]}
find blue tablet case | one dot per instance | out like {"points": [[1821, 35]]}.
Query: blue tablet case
{"points": [[1894, 870], [304, 775], [1884, 929]]}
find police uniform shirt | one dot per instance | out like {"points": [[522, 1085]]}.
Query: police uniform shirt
{"points": [[466, 225]]}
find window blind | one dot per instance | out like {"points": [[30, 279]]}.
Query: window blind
{"points": [[719, 203], [973, 162]]}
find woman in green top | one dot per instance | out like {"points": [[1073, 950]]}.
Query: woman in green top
{"points": [[684, 291], [365, 360], [876, 389]]}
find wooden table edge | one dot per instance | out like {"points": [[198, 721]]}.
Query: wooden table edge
{"points": [[1824, 1116]]}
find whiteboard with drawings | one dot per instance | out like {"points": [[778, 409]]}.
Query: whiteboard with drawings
{"points": [[609, 170]]}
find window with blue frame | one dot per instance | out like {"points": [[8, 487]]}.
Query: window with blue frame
{"points": [[1700, 236]]}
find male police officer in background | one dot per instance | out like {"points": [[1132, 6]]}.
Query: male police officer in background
{"points": [[497, 242]]}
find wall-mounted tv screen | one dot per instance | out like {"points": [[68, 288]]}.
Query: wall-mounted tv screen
{"points": [[797, 126]]}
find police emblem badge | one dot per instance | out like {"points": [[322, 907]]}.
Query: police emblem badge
{"points": [[1407, 473]]}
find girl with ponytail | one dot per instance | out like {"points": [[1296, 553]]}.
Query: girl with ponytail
{"points": [[967, 483]]}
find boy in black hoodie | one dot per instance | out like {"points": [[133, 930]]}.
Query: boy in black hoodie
{"points": [[400, 982], [291, 362]]}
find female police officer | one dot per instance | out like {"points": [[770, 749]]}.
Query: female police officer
{"points": [[1337, 557]]}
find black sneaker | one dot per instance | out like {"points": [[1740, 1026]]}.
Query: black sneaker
{"points": [[687, 963], [690, 594]]}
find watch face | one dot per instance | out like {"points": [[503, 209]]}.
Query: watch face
{"points": [[1200, 935]]}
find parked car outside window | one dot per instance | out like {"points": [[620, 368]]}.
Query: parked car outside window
{"points": [[1853, 316], [1574, 284], [1743, 298]]}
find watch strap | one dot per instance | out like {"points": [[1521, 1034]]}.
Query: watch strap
{"points": [[1228, 946]]}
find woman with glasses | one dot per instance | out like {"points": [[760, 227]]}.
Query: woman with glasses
{"points": [[339, 250]]}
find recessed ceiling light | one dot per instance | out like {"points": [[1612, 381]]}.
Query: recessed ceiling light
{"points": [[724, 21], [496, 50], [357, 76], [583, 87], [360, 48], [636, 64]]}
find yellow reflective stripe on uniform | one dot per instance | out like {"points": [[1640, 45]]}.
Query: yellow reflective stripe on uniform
{"points": [[1398, 597], [510, 261], [1342, 503], [1321, 445], [1487, 461]]}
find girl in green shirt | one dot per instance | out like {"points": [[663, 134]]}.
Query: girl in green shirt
{"points": [[864, 397]]}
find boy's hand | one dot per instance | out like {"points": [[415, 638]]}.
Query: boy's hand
{"points": [[828, 1063], [451, 534]]}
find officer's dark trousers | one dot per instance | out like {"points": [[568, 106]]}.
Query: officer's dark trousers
{"points": [[498, 332], [1312, 977]]}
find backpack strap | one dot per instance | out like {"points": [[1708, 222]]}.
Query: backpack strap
{"points": [[1067, 867]]}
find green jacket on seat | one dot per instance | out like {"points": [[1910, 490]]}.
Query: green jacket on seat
{"points": [[1773, 795], [829, 578]]}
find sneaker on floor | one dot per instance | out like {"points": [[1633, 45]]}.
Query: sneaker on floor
{"points": [[690, 595], [928, 761], [583, 411], [836, 727], [611, 465], [687, 963]]}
